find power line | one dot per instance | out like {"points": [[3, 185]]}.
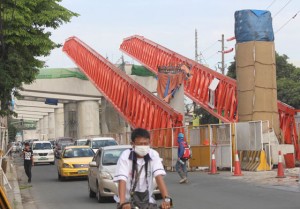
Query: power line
{"points": [[209, 46], [271, 4], [282, 8], [288, 22], [212, 56]]}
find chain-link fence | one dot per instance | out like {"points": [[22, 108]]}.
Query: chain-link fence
{"points": [[221, 144], [255, 136], [249, 135]]}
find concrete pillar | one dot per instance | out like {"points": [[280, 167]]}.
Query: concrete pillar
{"points": [[37, 127], [297, 120], [46, 127], [104, 121], [59, 122], [177, 102], [70, 120], [51, 125], [41, 121], [88, 118]]}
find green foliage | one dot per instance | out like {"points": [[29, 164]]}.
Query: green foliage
{"points": [[25, 36], [12, 132], [205, 117], [231, 70], [288, 77]]}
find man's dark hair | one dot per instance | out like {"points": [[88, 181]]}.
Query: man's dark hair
{"points": [[26, 144], [139, 132]]}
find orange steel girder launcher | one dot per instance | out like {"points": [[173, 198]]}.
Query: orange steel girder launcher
{"points": [[152, 55], [139, 107]]}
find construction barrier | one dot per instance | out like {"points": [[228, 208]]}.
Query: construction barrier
{"points": [[221, 144], [199, 140], [254, 160], [4, 203]]}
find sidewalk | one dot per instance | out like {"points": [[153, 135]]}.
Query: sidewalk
{"points": [[20, 196], [13, 194]]}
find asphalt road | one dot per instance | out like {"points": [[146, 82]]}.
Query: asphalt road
{"points": [[203, 191]]}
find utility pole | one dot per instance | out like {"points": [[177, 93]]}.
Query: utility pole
{"points": [[196, 46], [197, 56], [222, 68]]}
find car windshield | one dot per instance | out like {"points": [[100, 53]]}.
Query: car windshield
{"points": [[78, 152], [96, 144], [111, 157], [39, 146], [81, 143]]}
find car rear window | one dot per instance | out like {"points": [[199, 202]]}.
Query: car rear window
{"points": [[96, 144], [111, 157], [78, 152], [80, 143]]}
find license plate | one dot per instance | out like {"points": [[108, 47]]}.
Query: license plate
{"points": [[82, 172], [43, 158]]}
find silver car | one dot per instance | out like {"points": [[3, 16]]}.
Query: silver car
{"points": [[102, 170]]}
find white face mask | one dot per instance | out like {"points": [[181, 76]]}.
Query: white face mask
{"points": [[142, 150]]}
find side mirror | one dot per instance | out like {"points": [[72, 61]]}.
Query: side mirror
{"points": [[93, 164]]}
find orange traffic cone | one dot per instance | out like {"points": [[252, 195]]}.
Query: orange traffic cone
{"points": [[280, 171], [213, 167], [237, 166]]}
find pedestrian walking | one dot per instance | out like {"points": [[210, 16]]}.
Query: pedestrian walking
{"points": [[134, 174], [28, 160], [184, 154]]}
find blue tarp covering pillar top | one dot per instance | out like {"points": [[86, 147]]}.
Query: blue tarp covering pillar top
{"points": [[253, 25]]}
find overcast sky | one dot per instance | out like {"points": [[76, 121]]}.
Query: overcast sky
{"points": [[103, 24]]}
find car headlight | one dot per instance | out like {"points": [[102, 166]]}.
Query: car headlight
{"points": [[105, 175], [66, 165], [35, 154], [50, 153]]}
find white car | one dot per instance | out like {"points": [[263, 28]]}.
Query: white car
{"points": [[80, 142], [101, 172], [43, 152], [97, 142]]}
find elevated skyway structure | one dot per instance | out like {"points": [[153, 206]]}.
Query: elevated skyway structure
{"points": [[78, 103], [139, 107], [74, 109], [221, 102], [30, 105]]}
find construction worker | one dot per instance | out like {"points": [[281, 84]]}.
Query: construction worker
{"points": [[182, 158]]}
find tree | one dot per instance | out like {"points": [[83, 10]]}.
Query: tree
{"points": [[12, 132], [205, 117], [25, 36], [288, 77]]}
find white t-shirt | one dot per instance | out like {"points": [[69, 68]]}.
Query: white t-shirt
{"points": [[124, 172]]}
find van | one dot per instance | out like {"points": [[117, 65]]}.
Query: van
{"points": [[43, 152]]}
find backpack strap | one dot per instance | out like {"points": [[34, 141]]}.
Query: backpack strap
{"points": [[133, 158]]}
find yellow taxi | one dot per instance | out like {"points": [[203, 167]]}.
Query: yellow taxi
{"points": [[74, 162]]}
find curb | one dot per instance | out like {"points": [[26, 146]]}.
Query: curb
{"points": [[15, 193]]}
